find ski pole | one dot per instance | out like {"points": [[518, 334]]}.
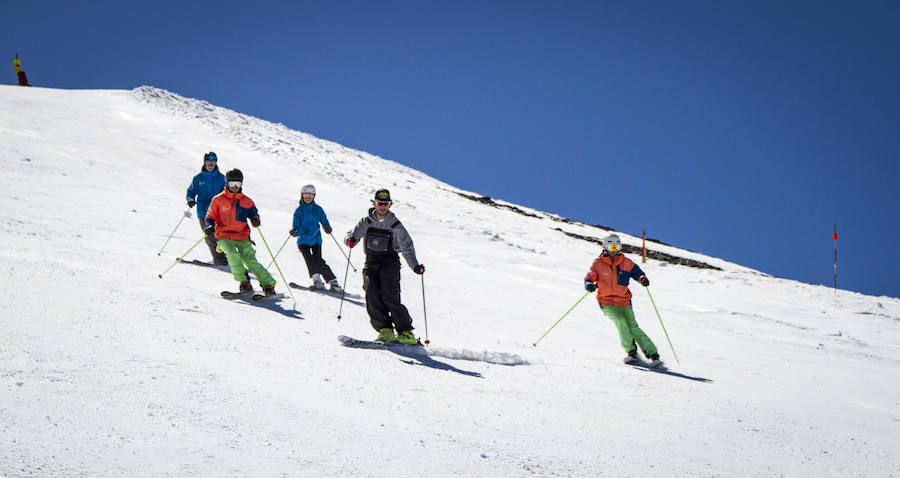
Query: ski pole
{"points": [[563, 317], [661, 323], [344, 289], [342, 251], [182, 256], [425, 311], [187, 213], [286, 285], [279, 251]]}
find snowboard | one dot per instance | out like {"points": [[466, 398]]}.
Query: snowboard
{"points": [[374, 344], [332, 293]]}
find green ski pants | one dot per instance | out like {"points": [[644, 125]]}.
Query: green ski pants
{"points": [[629, 332], [241, 256]]}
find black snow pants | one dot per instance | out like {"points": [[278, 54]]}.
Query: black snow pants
{"points": [[381, 281], [314, 262]]}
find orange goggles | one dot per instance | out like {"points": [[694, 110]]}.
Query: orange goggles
{"points": [[614, 247]]}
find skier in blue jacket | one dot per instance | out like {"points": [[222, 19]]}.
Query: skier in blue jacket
{"points": [[307, 218], [206, 185]]}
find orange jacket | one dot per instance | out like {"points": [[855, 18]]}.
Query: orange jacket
{"points": [[612, 275], [229, 212]]}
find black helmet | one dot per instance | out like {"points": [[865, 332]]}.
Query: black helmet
{"points": [[234, 175], [210, 156], [382, 195]]}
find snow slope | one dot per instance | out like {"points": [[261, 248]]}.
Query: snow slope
{"points": [[108, 370]]}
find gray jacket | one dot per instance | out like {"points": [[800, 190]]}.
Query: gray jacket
{"points": [[401, 241]]}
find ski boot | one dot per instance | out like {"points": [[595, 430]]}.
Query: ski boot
{"points": [[318, 284], [407, 337], [334, 286], [245, 287], [631, 357], [654, 360], [269, 290], [386, 335]]}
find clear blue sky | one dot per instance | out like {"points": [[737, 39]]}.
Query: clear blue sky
{"points": [[743, 130]]}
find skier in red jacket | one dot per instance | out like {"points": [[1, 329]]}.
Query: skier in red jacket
{"points": [[609, 276]]}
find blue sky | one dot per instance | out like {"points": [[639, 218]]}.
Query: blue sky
{"points": [[743, 130]]}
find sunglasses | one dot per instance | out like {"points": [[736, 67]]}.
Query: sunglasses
{"points": [[382, 203], [235, 184]]}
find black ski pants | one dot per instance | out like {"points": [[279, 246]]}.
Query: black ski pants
{"points": [[381, 281], [314, 262], [218, 257]]}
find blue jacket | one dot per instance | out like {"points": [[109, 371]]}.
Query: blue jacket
{"points": [[306, 221], [204, 187]]}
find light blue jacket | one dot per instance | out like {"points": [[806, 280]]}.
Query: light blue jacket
{"points": [[307, 218]]}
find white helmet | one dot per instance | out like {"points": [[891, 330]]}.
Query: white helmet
{"points": [[308, 189], [612, 242]]}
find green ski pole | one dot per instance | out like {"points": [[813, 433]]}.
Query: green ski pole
{"points": [[182, 256], [286, 285], [563, 317], [661, 323]]}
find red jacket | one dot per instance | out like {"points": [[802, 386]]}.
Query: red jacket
{"points": [[229, 212], [612, 275]]}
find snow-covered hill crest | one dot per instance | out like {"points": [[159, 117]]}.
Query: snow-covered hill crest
{"points": [[105, 369]]}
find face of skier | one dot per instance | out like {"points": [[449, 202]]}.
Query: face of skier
{"points": [[234, 186], [613, 249], [381, 208], [209, 165], [308, 197]]}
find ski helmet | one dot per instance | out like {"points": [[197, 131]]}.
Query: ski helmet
{"points": [[234, 175], [382, 195], [308, 189], [210, 156], [612, 244]]}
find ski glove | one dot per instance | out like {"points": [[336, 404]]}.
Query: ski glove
{"points": [[210, 230], [644, 281], [293, 232], [191, 203], [255, 221], [327, 229], [350, 242], [590, 286], [419, 269]]}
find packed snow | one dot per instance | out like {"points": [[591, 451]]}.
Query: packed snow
{"points": [[108, 370]]}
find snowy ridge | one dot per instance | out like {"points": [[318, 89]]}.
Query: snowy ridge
{"points": [[107, 370]]}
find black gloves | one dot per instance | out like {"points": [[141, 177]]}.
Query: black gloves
{"points": [[644, 281], [255, 221], [210, 229], [590, 286], [293, 232], [191, 203], [419, 269], [327, 229]]}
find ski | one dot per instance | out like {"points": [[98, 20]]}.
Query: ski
{"points": [[656, 364], [265, 297], [332, 293], [223, 267], [374, 344], [227, 294]]}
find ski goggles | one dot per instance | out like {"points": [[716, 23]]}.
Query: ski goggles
{"points": [[382, 203], [235, 184], [210, 162], [614, 247], [308, 195]]}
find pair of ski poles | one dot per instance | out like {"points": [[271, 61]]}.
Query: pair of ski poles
{"points": [[332, 237], [586, 294]]}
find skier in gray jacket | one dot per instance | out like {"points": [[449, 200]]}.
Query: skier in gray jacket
{"points": [[384, 238]]}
